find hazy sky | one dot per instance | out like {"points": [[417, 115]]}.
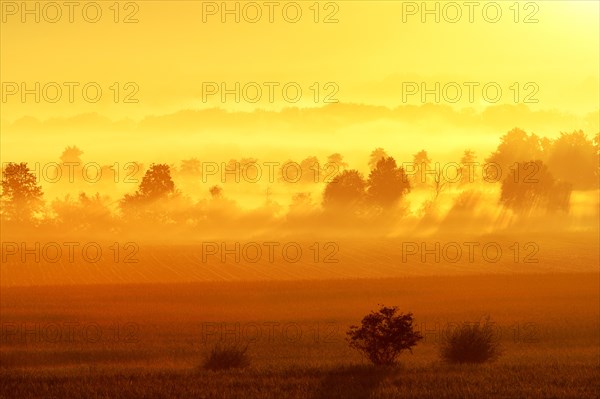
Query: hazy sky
{"points": [[370, 56]]}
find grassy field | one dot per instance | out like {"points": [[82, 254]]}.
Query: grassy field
{"points": [[131, 341], [144, 262]]}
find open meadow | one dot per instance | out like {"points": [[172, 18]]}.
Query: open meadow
{"points": [[149, 340]]}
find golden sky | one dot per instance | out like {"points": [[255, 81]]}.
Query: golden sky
{"points": [[366, 58]]}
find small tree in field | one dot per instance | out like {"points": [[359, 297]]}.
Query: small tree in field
{"points": [[383, 335]]}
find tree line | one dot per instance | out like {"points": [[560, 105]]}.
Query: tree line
{"points": [[533, 172]]}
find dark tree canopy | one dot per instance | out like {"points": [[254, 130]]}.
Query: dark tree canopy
{"points": [[347, 190], [530, 186], [338, 160], [516, 146], [71, 154], [573, 158], [21, 194], [311, 170], [383, 335], [156, 184], [387, 183], [376, 155]]}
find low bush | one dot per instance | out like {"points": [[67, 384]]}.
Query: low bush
{"points": [[471, 343], [224, 357]]}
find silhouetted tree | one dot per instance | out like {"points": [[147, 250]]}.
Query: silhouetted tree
{"points": [[383, 335], [338, 160], [573, 158], [216, 192], [560, 199], [468, 168], [21, 195], [71, 154], [421, 164], [190, 167], [387, 183], [334, 166], [307, 171], [516, 146], [311, 170], [345, 191], [439, 183], [376, 155], [156, 184], [529, 186]]}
